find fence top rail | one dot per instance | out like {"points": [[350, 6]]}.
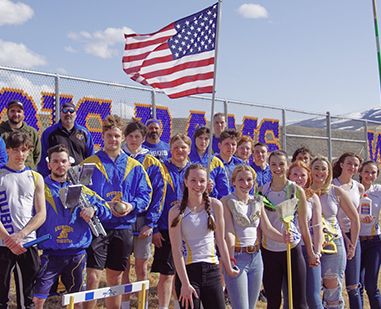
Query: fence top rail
{"points": [[192, 96]]}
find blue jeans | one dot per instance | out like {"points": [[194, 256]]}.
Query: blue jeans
{"points": [[352, 277], [370, 267], [244, 289], [333, 267], [313, 286]]}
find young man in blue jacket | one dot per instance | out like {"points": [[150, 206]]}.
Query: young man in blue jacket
{"points": [[174, 169], [65, 253], [135, 133], [118, 179], [218, 187]]}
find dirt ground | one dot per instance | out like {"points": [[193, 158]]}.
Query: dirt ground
{"points": [[55, 302]]}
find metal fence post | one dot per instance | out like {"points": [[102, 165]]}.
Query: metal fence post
{"points": [[57, 89], [153, 103], [284, 133], [366, 140], [329, 141], [225, 110]]}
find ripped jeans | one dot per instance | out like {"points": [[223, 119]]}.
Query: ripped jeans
{"points": [[352, 277], [333, 267]]}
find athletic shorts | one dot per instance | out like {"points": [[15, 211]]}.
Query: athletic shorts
{"points": [[110, 251], [72, 269], [141, 247], [163, 261]]}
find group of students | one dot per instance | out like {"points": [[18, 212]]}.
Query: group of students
{"points": [[188, 212]]}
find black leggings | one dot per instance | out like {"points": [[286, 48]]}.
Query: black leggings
{"points": [[205, 278], [275, 268]]}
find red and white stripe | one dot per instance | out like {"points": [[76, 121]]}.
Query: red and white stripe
{"points": [[148, 60]]}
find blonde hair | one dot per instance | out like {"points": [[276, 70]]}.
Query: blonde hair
{"points": [[181, 137], [242, 168], [325, 188]]}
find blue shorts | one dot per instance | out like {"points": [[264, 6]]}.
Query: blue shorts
{"points": [[72, 269]]}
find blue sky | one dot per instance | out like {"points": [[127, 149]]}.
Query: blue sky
{"points": [[315, 56]]}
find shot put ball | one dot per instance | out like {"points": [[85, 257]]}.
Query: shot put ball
{"points": [[120, 207]]}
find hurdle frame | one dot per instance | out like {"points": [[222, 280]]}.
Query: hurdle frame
{"points": [[69, 300]]}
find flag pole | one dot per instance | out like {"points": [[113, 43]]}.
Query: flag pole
{"points": [[377, 39], [214, 86]]}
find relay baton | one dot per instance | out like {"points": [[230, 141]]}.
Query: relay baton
{"points": [[37, 241]]}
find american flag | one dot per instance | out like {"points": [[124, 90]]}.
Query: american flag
{"points": [[179, 59]]}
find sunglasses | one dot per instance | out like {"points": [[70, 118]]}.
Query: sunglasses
{"points": [[67, 110]]}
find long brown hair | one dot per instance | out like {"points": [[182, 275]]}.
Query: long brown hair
{"points": [[184, 202], [337, 169], [370, 162]]}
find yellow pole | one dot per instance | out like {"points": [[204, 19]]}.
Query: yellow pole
{"points": [[142, 297], [289, 276], [71, 305]]}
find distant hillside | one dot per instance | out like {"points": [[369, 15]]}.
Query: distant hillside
{"points": [[372, 113]]}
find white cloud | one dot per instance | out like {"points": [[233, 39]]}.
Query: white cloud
{"points": [[62, 71], [100, 43], [18, 55], [251, 10], [14, 13], [70, 49]]}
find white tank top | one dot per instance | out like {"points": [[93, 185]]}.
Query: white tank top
{"points": [[373, 228], [245, 236], [198, 243], [17, 189], [329, 208], [276, 198], [310, 206], [354, 194]]}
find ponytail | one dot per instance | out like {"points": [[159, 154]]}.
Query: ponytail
{"points": [[183, 205], [211, 223]]}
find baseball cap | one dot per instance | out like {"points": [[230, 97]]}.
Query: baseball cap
{"points": [[16, 103], [68, 105]]}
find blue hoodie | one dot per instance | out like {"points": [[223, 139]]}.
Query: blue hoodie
{"points": [[70, 233], [173, 196], [217, 171], [123, 179], [155, 173], [229, 168]]}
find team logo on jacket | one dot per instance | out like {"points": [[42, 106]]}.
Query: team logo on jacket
{"points": [[64, 230], [80, 136]]}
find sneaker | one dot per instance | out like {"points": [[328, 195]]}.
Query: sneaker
{"points": [[228, 304], [262, 296]]}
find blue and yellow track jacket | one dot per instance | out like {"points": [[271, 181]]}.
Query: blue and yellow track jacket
{"points": [[229, 168], [217, 171], [121, 180], [175, 181], [155, 173], [70, 233]]}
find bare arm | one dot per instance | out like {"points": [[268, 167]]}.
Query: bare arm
{"points": [[14, 241], [351, 212], [303, 227], [268, 229], [176, 243], [317, 222], [229, 228], [219, 236]]}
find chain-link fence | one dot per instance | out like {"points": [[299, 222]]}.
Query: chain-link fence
{"points": [[276, 126]]}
